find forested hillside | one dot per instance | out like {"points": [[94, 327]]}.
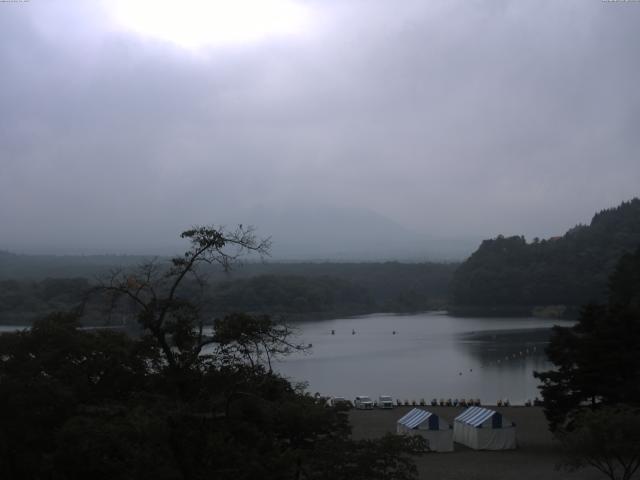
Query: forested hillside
{"points": [[38, 267], [296, 290], [509, 274]]}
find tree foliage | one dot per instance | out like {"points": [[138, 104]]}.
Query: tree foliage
{"points": [[160, 296], [292, 289], [598, 360], [24, 300], [569, 270], [177, 402], [607, 439]]}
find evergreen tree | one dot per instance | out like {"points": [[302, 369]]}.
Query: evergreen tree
{"points": [[597, 360]]}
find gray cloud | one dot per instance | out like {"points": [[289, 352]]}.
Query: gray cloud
{"points": [[453, 119]]}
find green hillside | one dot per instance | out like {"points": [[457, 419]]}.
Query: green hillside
{"points": [[508, 275]]}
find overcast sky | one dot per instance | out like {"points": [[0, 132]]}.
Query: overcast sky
{"points": [[449, 119]]}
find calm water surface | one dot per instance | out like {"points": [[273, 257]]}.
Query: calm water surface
{"points": [[430, 355]]}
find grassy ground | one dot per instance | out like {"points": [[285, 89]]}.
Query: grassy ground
{"points": [[535, 458]]}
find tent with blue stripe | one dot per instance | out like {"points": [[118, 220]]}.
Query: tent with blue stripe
{"points": [[436, 431], [484, 429]]}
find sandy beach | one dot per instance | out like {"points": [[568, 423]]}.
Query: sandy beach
{"points": [[535, 458]]}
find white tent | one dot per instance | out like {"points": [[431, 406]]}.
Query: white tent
{"points": [[483, 429], [433, 429]]}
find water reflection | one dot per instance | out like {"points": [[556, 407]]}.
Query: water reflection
{"points": [[505, 346]]}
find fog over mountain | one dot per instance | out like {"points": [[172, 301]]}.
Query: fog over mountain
{"points": [[324, 233], [360, 129]]}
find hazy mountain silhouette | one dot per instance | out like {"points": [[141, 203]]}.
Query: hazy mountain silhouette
{"points": [[319, 233]]}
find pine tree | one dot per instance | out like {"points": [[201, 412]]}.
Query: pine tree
{"points": [[598, 359]]}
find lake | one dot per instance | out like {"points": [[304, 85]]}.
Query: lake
{"points": [[430, 355]]}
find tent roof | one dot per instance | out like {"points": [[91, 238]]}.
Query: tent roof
{"points": [[414, 418], [475, 416]]}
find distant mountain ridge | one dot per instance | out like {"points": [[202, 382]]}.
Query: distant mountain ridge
{"points": [[320, 233], [307, 233], [510, 275]]}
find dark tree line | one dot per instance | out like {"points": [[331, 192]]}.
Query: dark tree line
{"points": [[293, 294], [295, 290], [21, 301], [569, 270]]}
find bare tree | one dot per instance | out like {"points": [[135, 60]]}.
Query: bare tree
{"points": [[156, 292], [252, 339]]}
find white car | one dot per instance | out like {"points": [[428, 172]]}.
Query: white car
{"points": [[363, 402], [385, 401]]}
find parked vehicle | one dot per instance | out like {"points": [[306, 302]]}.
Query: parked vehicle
{"points": [[385, 401], [338, 402], [363, 402]]}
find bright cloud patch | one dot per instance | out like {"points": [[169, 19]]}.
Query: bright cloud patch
{"points": [[195, 24]]}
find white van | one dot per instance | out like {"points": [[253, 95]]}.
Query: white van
{"points": [[385, 401], [363, 402]]}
